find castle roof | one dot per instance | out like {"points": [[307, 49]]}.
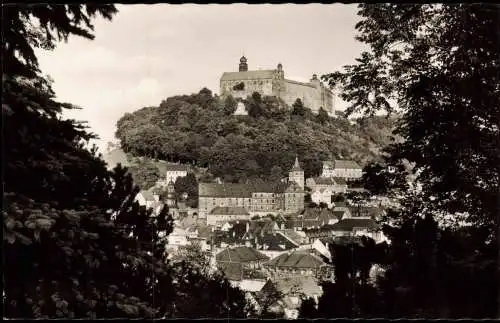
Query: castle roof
{"points": [[344, 164], [247, 75]]}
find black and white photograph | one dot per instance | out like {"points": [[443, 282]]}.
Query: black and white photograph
{"points": [[251, 161]]}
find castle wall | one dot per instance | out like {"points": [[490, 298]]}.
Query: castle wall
{"points": [[313, 96], [263, 86]]}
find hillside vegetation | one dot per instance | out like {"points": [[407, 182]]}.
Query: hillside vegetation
{"points": [[201, 129]]}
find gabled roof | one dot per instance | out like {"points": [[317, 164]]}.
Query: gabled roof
{"points": [[351, 223], [149, 194], [240, 255], [229, 210], [260, 227], [339, 214], [297, 259], [248, 75], [342, 164], [275, 242], [294, 236]]}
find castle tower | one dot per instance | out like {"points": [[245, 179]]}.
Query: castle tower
{"points": [[315, 81], [243, 64], [296, 174], [280, 72]]}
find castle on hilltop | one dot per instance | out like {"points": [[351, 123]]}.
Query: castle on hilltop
{"points": [[243, 83]]}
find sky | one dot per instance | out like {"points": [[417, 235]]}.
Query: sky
{"points": [[148, 53]]}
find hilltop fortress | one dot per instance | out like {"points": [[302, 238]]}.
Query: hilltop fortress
{"points": [[243, 83]]}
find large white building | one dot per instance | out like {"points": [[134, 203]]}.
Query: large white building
{"points": [[272, 82], [171, 172]]}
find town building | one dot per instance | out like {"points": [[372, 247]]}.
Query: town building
{"points": [[271, 82], [256, 198], [298, 263], [150, 199], [169, 195], [335, 184], [171, 172], [296, 174], [222, 214], [349, 227], [347, 169], [240, 110]]}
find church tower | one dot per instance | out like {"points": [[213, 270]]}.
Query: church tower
{"points": [[170, 200], [243, 64], [296, 174]]}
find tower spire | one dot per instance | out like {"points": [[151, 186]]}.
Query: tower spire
{"points": [[296, 165]]}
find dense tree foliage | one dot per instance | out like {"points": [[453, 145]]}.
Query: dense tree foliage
{"points": [[350, 295], [188, 184], [76, 245], [437, 66], [195, 129], [145, 173]]}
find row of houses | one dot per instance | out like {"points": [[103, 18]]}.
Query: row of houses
{"points": [[294, 275]]}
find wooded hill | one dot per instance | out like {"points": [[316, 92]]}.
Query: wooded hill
{"points": [[200, 129]]}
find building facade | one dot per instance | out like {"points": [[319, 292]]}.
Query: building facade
{"points": [[257, 199], [171, 172], [272, 82], [346, 169]]}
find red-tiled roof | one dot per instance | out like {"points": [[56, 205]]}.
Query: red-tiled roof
{"points": [[241, 255], [297, 259]]}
